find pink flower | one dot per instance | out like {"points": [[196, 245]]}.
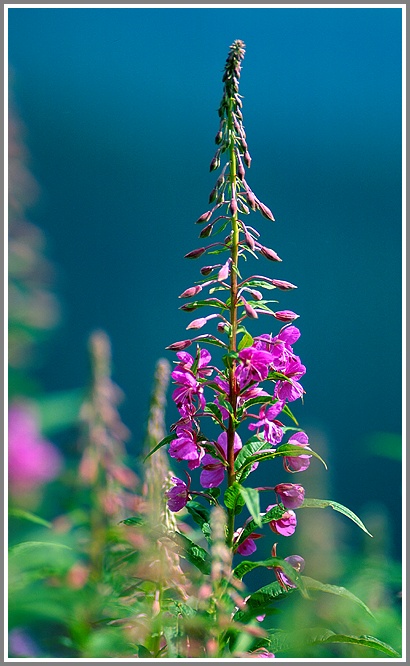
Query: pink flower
{"points": [[297, 562], [291, 494], [32, 460], [186, 447], [178, 495], [297, 463], [248, 546], [272, 431], [213, 471], [286, 525], [253, 365]]}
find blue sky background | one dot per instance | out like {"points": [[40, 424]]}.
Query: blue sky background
{"points": [[120, 107]]}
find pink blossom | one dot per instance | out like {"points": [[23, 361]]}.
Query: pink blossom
{"points": [[186, 447], [272, 430], [253, 365], [32, 460], [248, 546], [291, 494], [178, 495], [297, 463], [286, 525], [213, 469]]}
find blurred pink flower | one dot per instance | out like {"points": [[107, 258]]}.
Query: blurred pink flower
{"points": [[32, 460]]}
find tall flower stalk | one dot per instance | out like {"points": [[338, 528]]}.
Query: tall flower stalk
{"points": [[250, 392]]}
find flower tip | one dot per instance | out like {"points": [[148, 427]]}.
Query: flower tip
{"points": [[180, 345]]}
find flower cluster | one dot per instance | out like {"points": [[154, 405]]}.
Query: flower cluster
{"points": [[260, 376]]}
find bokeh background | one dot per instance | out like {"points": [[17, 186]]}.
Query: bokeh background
{"points": [[119, 108]]}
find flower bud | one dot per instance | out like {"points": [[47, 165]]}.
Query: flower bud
{"points": [[247, 158], [191, 291], [249, 240], [215, 162], [206, 231], [283, 285], [218, 138], [241, 170], [222, 327], [194, 254], [266, 212], [224, 272], [188, 307], [179, 346], [233, 206], [205, 217], [286, 315], [250, 312], [251, 199], [269, 254], [213, 194], [206, 270], [291, 494], [197, 323]]}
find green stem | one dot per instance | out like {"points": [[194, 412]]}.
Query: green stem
{"points": [[233, 320]]}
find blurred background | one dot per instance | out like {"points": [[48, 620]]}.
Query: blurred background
{"points": [[116, 112]]}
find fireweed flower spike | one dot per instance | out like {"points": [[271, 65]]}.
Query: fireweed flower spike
{"points": [[251, 389]]}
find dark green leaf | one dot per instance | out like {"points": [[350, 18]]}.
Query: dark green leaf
{"points": [[246, 566], [286, 410], [25, 547], [282, 641], [233, 499], [322, 504], [134, 520], [251, 497], [163, 442], [211, 340], [199, 513], [312, 584], [246, 341], [27, 515], [213, 409], [192, 552]]}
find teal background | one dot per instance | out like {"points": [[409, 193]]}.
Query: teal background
{"points": [[120, 109]]}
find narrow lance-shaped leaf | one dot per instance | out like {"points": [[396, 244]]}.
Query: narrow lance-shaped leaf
{"points": [[251, 498], [312, 584], [322, 504], [163, 442]]}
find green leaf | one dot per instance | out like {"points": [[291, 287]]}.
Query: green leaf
{"points": [[212, 302], [273, 514], [260, 602], [211, 340], [25, 547], [366, 641], [163, 442], [322, 504], [200, 515], [288, 450], [211, 408], [246, 341], [192, 552], [246, 566], [134, 520], [258, 283], [252, 446], [286, 410], [251, 497], [312, 584], [281, 641], [27, 515], [233, 499]]}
